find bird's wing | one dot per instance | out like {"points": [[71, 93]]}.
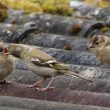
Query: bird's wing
{"points": [[49, 63], [40, 58], [40, 55]]}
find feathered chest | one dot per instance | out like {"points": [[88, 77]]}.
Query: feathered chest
{"points": [[6, 64]]}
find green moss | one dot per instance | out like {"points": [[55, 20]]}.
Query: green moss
{"points": [[60, 7], [25, 5]]}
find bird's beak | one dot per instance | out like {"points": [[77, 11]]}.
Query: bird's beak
{"points": [[6, 51], [90, 46]]}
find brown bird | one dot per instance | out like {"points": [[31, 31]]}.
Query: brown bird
{"points": [[6, 64], [41, 64], [100, 45]]}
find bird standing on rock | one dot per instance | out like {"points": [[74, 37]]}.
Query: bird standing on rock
{"points": [[41, 64], [6, 64], [100, 45]]}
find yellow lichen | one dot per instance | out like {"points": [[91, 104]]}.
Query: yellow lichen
{"points": [[101, 3], [25, 5], [105, 29], [60, 7]]}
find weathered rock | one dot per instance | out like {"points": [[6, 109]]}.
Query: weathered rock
{"points": [[6, 30], [21, 33], [104, 12], [96, 72], [16, 33], [62, 25], [67, 25], [59, 95], [91, 27], [27, 104], [8, 108], [56, 41], [14, 16], [85, 10]]}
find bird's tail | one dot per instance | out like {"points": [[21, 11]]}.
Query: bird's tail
{"points": [[71, 73], [60, 66]]}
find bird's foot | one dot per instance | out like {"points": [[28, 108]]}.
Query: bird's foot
{"points": [[37, 84], [45, 89]]}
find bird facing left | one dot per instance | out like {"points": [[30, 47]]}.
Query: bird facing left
{"points": [[41, 64]]}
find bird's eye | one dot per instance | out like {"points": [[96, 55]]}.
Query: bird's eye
{"points": [[1, 49], [97, 43]]}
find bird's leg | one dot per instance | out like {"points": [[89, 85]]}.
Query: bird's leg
{"points": [[47, 87], [74, 74], [36, 84]]}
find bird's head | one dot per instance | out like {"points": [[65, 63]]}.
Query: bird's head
{"points": [[16, 50], [96, 41]]}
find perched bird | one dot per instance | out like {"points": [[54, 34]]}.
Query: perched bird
{"points": [[6, 64], [41, 64], [100, 45]]}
